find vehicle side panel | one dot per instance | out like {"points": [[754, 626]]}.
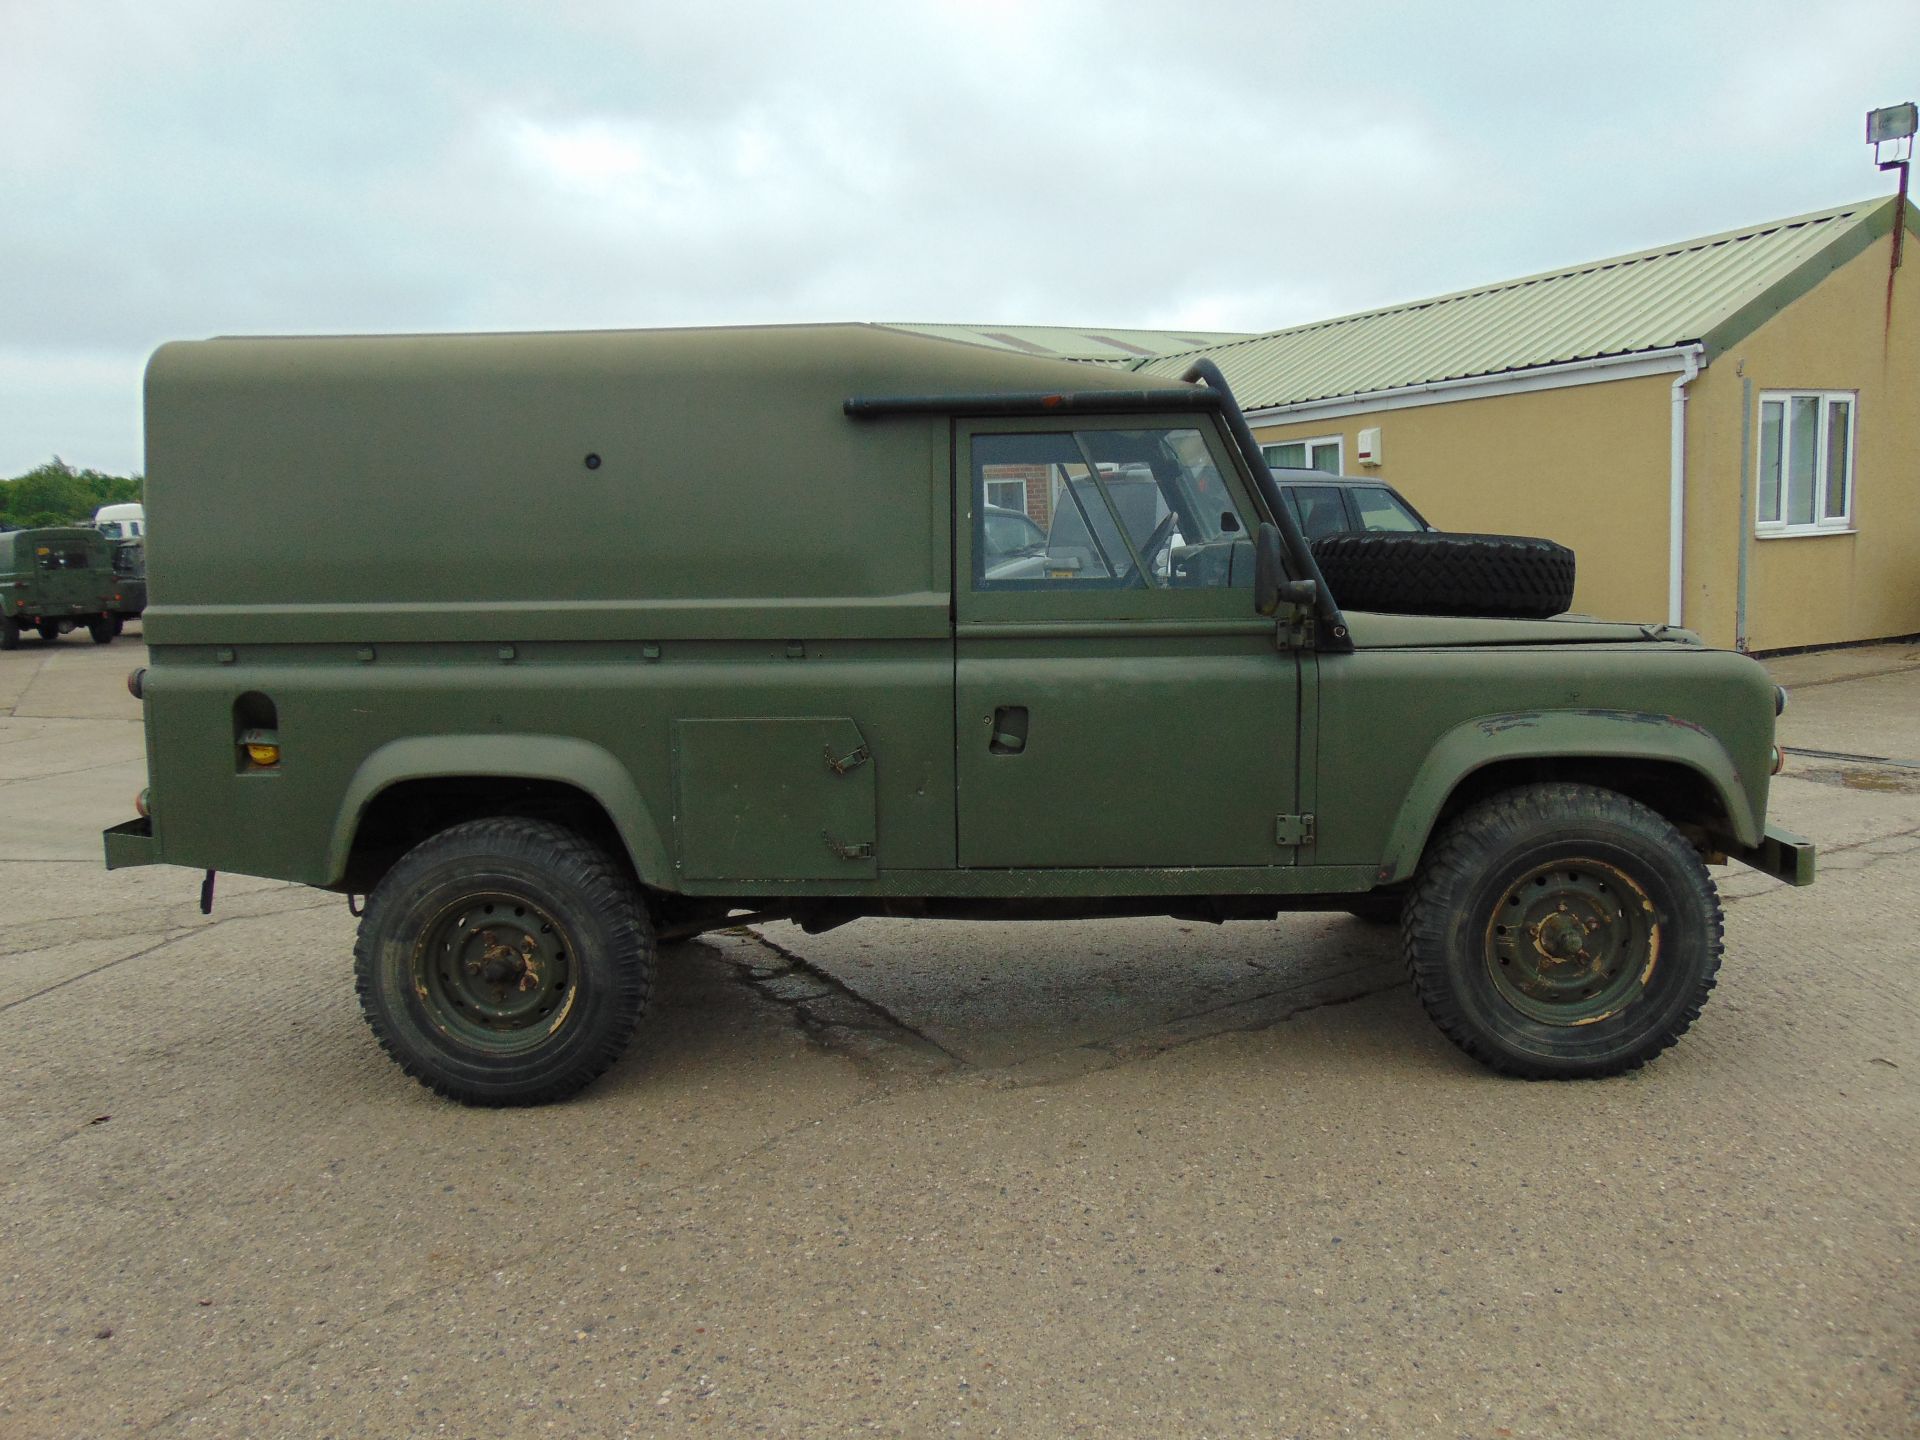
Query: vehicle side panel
{"points": [[1400, 729]]}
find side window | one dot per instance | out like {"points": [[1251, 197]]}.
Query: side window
{"points": [[1318, 509], [1380, 509], [1052, 476], [1102, 509], [1322, 454]]}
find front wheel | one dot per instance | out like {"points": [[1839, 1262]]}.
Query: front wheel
{"points": [[504, 962], [1561, 931]]}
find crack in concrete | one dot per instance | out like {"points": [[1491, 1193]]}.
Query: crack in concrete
{"points": [[173, 938], [1177, 1034], [1826, 867], [77, 770], [886, 1024], [1894, 669], [27, 688], [764, 1146]]}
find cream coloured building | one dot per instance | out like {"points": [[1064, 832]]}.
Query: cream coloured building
{"points": [[1726, 430]]}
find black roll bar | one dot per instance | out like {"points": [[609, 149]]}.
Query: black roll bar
{"points": [[1037, 402], [1331, 631]]}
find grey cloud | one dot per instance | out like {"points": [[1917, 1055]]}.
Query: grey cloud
{"points": [[218, 167]]}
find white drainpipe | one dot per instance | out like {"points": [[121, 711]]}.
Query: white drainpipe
{"points": [[1677, 488]]}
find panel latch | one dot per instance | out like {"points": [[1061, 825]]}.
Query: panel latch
{"points": [[851, 762]]}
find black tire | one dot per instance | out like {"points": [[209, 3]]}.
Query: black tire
{"points": [[9, 633], [49, 633], [478, 1015], [119, 624], [102, 630], [1446, 574], [1514, 884]]}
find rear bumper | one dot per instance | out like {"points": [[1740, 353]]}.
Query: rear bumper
{"points": [[1781, 854], [131, 843]]}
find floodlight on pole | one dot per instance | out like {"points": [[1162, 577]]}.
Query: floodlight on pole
{"points": [[1894, 126]]}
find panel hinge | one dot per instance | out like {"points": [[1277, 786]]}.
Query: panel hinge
{"points": [[858, 850], [1293, 830]]}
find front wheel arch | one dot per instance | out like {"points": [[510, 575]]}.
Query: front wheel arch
{"points": [[1676, 769]]}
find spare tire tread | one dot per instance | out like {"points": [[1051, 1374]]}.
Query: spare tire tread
{"points": [[1447, 573]]}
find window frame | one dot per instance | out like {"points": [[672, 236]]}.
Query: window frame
{"points": [[1781, 527], [1148, 602], [1338, 442]]}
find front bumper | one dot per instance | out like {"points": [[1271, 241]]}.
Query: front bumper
{"points": [[131, 843], [1781, 854]]}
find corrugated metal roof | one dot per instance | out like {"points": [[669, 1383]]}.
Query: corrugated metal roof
{"points": [[1065, 342], [1691, 291]]}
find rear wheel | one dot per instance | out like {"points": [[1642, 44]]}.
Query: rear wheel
{"points": [[102, 630], [504, 962], [1560, 931], [9, 633]]}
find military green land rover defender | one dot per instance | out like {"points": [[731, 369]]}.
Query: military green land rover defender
{"points": [[553, 646], [53, 580]]}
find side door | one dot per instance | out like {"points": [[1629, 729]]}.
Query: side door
{"points": [[1118, 701]]}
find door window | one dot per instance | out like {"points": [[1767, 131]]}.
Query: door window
{"points": [[1118, 509]]}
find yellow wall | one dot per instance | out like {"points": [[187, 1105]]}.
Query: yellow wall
{"points": [[1815, 590], [1586, 466]]}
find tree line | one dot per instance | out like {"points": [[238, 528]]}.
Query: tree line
{"points": [[57, 494]]}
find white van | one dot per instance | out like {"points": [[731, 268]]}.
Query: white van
{"points": [[121, 522]]}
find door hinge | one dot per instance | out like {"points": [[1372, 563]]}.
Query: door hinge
{"points": [[1293, 830], [858, 850]]}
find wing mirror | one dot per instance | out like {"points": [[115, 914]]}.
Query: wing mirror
{"points": [[1271, 588]]}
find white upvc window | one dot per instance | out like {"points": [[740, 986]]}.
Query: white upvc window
{"points": [[1320, 454], [1007, 494], [1805, 484]]}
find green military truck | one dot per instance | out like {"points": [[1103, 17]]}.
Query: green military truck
{"points": [[53, 580], [129, 598], [554, 646]]}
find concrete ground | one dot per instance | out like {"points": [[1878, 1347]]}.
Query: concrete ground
{"points": [[1134, 1178]]}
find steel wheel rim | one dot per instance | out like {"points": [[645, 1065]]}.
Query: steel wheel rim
{"points": [[495, 972], [1572, 942]]}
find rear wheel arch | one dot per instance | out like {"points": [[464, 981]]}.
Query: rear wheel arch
{"points": [[411, 789]]}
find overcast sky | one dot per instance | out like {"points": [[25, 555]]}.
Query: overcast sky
{"points": [[180, 168]]}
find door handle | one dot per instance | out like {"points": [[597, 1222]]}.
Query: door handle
{"points": [[1009, 730]]}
